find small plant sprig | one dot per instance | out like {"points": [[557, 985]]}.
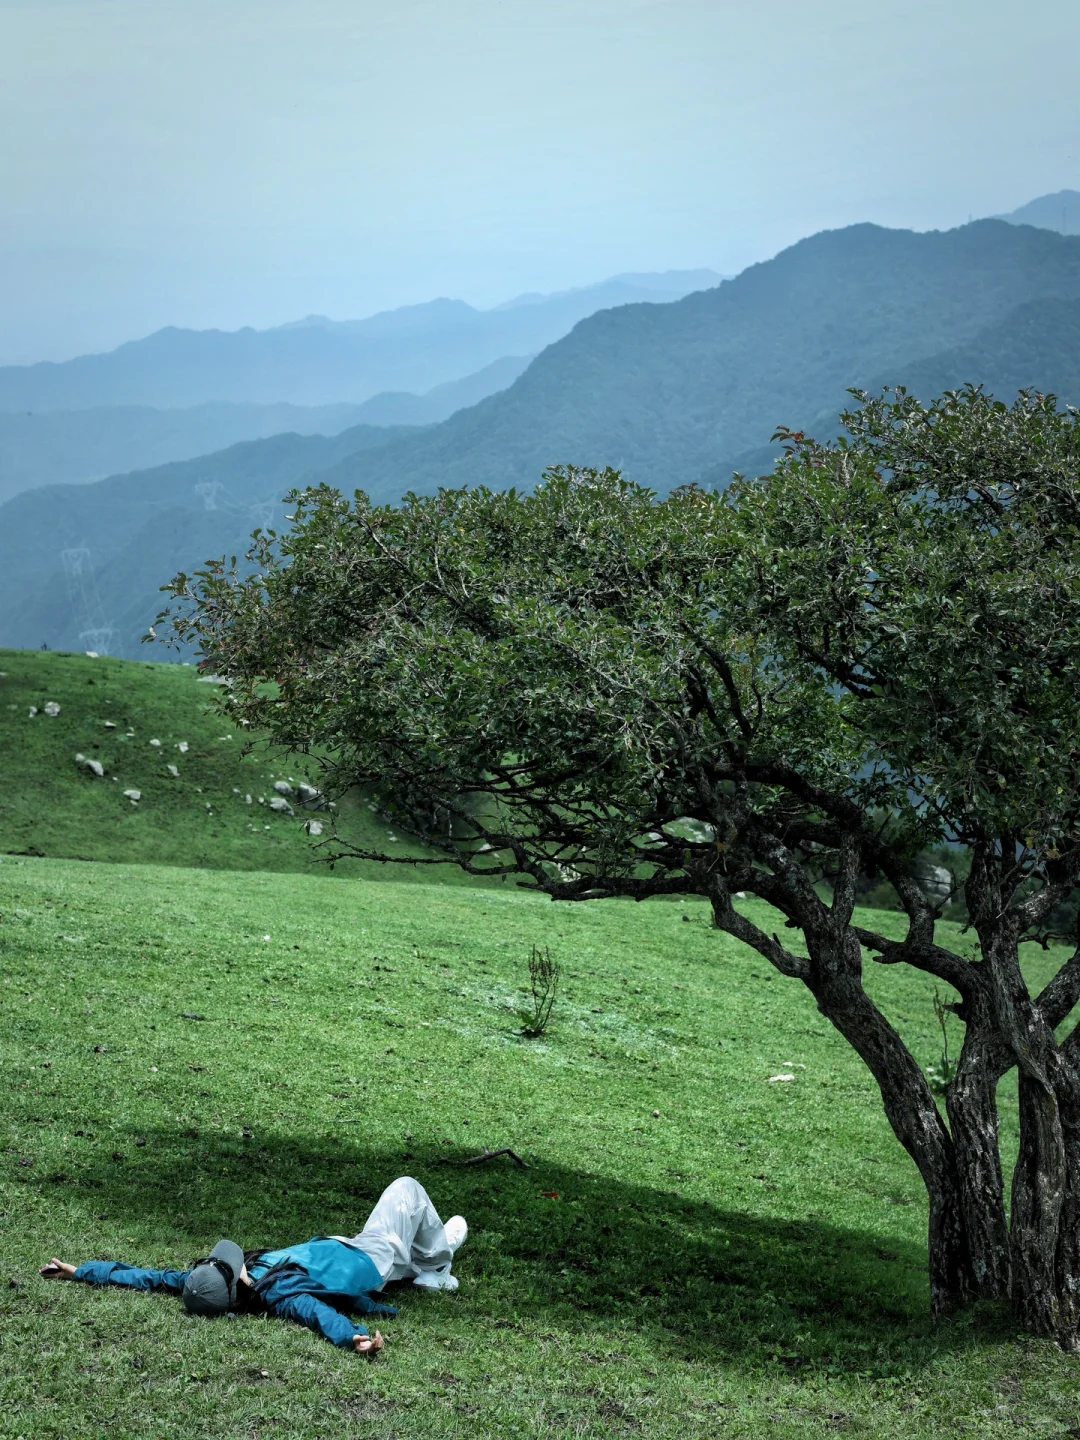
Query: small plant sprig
{"points": [[941, 1073], [544, 975]]}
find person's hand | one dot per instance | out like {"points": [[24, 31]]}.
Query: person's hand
{"points": [[368, 1344], [57, 1270]]}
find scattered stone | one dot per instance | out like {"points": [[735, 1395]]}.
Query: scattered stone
{"points": [[173, 771], [156, 744], [33, 711], [314, 827], [309, 796], [656, 1114], [134, 796], [183, 746], [212, 680], [247, 799], [281, 805], [283, 787], [91, 654], [774, 1078], [191, 1015], [110, 724], [94, 766], [52, 708]]}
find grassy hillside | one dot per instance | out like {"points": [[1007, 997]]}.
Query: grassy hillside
{"points": [[694, 1251], [112, 711], [665, 391]]}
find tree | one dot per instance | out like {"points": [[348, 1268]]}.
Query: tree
{"points": [[773, 690]]}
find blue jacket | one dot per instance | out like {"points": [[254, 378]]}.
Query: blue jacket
{"points": [[317, 1284]]}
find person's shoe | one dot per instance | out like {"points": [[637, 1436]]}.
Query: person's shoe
{"points": [[457, 1232], [439, 1279]]}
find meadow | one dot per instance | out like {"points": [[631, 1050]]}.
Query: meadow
{"points": [[695, 1249]]}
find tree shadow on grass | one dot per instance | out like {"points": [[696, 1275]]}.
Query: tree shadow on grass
{"points": [[549, 1247]]}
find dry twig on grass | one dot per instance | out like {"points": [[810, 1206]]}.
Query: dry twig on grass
{"points": [[489, 1155]]}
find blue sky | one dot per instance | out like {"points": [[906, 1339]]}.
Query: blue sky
{"points": [[231, 162]]}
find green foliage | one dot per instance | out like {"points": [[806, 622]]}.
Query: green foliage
{"points": [[928, 567], [752, 1262]]}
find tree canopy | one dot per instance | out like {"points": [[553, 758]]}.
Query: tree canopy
{"points": [[772, 690]]}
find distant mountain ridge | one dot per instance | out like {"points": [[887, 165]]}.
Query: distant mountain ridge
{"points": [[1060, 212], [61, 447], [321, 362], [671, 393]]}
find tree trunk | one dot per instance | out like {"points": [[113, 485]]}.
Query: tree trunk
{"points": [[911, 1110], [971, 1102], [1046, 1182]]}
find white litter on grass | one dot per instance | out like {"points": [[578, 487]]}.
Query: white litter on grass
{"points": [[156, 743], [774, 1078], [52, 708], [182, 746], [173, 771]]}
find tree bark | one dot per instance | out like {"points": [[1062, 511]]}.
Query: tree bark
{"points": [[971, 1103], [912, 1112]]}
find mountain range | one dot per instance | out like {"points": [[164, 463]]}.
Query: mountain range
{"points": [[74, 446], [686, 390], [325, 362]]}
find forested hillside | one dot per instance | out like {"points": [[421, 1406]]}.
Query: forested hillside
{"points": [[672, 393]]}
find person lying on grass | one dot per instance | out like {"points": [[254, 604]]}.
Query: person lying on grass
{"points": [[319, 1283]]}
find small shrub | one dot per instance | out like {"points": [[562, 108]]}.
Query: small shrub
{"points": [[544, 975]]}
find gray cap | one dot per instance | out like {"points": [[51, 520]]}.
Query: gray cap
{"points": [[210, 1289]]}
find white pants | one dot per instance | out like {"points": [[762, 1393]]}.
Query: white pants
{"points": [[403, 1234]]}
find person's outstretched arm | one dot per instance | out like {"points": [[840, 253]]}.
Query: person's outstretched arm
{"points": [[308, 1310], [113, 1272]]}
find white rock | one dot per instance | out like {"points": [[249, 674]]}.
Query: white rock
{"points": [[134, 796], [94, 766], [52, 708], [156, 744], [110, 724], [33, 711], [774, 1078], [247, 799], [91, 654], [173, 771], [314, 827], [309, 795], [212, 680], [283, 787], [182, 746], [280, 804]]}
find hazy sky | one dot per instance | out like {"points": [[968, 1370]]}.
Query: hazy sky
{"points": [[231, 162]]}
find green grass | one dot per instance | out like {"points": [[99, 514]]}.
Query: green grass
{"points": [[750, 1262], [49, 806]]}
